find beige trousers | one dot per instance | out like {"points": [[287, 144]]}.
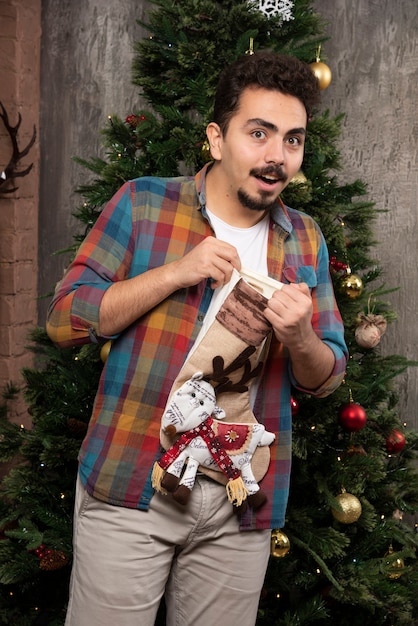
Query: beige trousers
{"points": [[125, 560]]}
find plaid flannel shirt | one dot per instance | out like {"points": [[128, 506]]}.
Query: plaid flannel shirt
{"points": [[149, 222]]}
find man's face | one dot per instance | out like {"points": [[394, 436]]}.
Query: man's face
{"points": [[262, 148]]}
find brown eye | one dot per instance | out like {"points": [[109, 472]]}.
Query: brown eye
{"points": [[259, 134]]}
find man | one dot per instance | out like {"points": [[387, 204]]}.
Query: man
{"points": [[144, 278]]}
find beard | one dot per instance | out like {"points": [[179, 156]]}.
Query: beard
{"points": [[263, 201]]}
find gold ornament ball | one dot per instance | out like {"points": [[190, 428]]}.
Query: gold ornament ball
{"points": [[104, 351], [299, 178], [322, 72], [352, 286], [206, 151], [350, 508], [280, 544], [396, 566]]}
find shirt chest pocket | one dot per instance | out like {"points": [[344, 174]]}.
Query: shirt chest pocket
{"points": [[300, 274]]}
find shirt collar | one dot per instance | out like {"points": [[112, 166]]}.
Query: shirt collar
{"points": [[279, 214]]}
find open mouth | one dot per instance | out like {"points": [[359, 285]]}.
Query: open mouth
{"points": [[269, 176], [268, 179]]}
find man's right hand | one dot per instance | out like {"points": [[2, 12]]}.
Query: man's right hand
{"points": [[211, 258]]}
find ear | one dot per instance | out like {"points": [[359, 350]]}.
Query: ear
{"points": [[214, 135]]}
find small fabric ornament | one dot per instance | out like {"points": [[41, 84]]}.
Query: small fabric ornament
{"points": [[370, 329]]}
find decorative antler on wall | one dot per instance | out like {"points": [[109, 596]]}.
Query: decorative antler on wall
{"points": [[11, 170]]}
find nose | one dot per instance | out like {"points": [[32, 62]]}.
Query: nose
{"points": [[275, 151]]}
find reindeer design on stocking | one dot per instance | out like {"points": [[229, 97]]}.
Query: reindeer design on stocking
{"points": [[203, 439]]}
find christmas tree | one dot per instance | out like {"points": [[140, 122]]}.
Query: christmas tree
{"points": [[345, 555]]}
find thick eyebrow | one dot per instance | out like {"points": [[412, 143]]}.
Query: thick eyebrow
{"points": [[297, 131], [257, 121]]}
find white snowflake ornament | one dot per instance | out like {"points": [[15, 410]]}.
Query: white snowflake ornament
{"points": [[276, 8]]}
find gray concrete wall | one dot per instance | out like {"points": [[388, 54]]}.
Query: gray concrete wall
{"points": [[87, 51], [373, 54]]}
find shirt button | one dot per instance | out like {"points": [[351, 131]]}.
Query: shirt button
{"points": [[200, 317]]}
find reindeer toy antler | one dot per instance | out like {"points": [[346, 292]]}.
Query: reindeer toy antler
{"points": [[11, 170], [220, 372]]}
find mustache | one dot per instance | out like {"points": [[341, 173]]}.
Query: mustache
{"points": [[271, 170]]}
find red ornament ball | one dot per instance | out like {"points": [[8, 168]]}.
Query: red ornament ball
{"points": [[395, 442], [352, 417], [294, 404], [135, 120], [337, 266]]}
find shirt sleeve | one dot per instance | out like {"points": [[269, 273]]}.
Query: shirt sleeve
{"points": [[327, 323], [103, 258]]}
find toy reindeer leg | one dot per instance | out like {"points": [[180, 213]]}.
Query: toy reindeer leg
{"points": [[186, 484]]}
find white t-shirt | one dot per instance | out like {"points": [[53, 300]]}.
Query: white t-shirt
{"points": [[251, 243]]}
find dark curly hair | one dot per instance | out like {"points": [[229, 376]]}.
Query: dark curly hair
{"points": [[267, 70]]}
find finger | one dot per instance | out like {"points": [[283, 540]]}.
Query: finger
{"points": [[232, 259], [217, 282], [294, 292], [227, 252], [221, 273], [303, 288]]}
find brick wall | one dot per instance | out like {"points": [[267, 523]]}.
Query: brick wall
{"points": [[20, 33]]}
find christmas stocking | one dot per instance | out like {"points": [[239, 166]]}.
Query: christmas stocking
{"points": [[229, 352]]}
